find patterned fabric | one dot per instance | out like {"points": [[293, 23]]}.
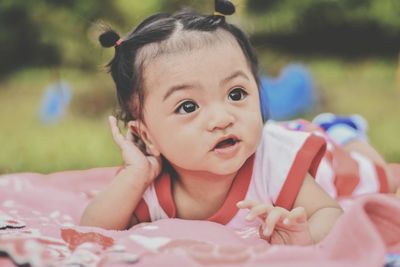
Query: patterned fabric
{"points": [[39, 215], [342, 173], [46, 211]]}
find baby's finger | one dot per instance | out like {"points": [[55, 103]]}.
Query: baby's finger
{"points": [[129, 136], [296, 215], [117, 136], [156, 165], [247, 204], [258, 210], [274, 216]]}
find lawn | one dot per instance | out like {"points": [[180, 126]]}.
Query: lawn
{"points": [[369, 88], [82, 139]]}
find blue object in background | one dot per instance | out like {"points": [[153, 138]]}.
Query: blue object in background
{"points": [[55, 102], [289, 95], [392, 260]]}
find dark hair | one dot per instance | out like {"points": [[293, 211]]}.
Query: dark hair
{"points": [[127, 71]]}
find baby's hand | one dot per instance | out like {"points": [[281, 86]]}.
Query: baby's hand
{"points": [[279, 226], [146, 165]]}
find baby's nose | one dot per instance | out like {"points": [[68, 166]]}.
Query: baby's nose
{"points": [[220, 118]]}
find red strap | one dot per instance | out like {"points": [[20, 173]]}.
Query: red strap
{"points": [[346, 172], [142, 212], [307, 160], [382, 178]]}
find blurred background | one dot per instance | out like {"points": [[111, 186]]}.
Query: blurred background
{"points": [[55, 94]]}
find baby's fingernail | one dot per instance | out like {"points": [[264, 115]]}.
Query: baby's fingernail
{"points": [[239, 203], [249, 217], [266, 231]]}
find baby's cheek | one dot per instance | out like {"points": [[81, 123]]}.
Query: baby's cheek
{"points": [[257, 134], [179, 154]]}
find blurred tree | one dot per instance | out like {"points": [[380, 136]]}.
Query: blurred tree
{"points": [[20, 39], [49, 32], [382, 12], [347, 26], [174, 5], [261, 6]]}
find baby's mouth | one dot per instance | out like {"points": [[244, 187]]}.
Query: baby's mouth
{"points": [[226, 143]]}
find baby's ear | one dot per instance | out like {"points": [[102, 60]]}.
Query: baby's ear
{"points": [[142, 137]]}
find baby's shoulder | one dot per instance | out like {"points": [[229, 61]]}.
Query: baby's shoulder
{"points": [[275, 133], [284, 144]]}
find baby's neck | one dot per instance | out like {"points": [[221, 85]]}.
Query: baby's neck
{"points": [[198, 195]]}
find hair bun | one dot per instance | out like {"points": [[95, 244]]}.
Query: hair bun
{"points": [[108, 38], [224, 7]]}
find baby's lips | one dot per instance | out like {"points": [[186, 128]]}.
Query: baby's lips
{"points": [[225, 138]]}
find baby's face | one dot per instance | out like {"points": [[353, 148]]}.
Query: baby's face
{"points": [[201, 108]]}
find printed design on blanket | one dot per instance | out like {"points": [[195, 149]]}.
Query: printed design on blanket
{"points": [[75, 238], [39, 217], [30, 246], [9, 222], [41, 232]]}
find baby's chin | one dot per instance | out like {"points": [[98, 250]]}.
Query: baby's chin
{"points": [[223, 173], [222, 170], [226, 168], [212, 165]]}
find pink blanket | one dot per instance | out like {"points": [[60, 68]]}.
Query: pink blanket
{"points": [[39, 216]]}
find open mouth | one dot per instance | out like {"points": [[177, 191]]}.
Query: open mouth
{"points": [[228, 142]]}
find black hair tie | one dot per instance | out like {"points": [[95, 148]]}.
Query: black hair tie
{"points": [[109, 38], [223, 8]]}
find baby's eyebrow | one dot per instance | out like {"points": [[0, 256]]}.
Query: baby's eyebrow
{"points": [[238, 73], [175, 88]]}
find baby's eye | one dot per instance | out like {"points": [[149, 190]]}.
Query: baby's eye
{"points": [[237, 94], [186, 107]]}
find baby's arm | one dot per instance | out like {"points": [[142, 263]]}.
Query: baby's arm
{"points": [[322, 210], [113, 208]]}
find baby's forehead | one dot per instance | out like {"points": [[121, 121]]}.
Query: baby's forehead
{"points": [[183, 41]]}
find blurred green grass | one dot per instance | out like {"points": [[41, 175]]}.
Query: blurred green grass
{"points": [[367, 87], [82, 139]]}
